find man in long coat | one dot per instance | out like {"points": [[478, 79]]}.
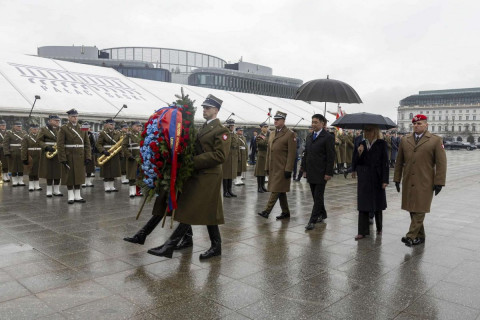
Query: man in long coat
{"points": [[112, 168], [12, 144], [131, 150], [282, 148], [74, 152], [200, 202], [123, 159], [50, 169], [422, 167], [31, 151], [230, 165], [90, 166], [317, 166], [243, 155], [262, 145], [3, 159]]}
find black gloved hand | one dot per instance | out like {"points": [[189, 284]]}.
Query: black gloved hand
{"points": [[87, 162], [25, 162], [49, 149], [131, 158], [437, 189], [287, 174], [106, 153], [397, 185]]}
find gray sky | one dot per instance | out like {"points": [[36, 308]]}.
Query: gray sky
{"points": [[385, 49]]}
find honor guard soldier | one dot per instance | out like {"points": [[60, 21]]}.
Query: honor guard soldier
{"points": [[123, 159], [111, 167], [131, 150], [3, 159], [200, 202], [231, 163], [31, 152], [50, 167], [74, 152], [262, 144], [12, 145], [242, 158], [282, 148], [90, 167]]}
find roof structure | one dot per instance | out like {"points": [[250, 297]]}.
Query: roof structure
{"points": [[99, 93], [443, 97]]}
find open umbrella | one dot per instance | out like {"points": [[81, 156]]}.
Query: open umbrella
{"points": [[327, 90], [360, 120]]}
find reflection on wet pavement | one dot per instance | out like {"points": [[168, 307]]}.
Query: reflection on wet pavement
{"points": [[60, 261]]}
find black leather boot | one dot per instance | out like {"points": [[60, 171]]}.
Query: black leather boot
{"points": [[166, 249], [216, 248], [230, 182], [259, 183], [142, 234], [186, 241], [225, 188], [263, 184]]}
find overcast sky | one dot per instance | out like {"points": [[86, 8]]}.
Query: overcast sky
{"points": [[386, 50]]}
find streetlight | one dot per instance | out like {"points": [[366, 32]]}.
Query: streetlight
{"points": [[123, 107], [37, 97]]}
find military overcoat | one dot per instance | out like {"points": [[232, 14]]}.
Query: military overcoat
{"points": [[281, 153], [3, 159], [243, 155], [230, 166], [12, 145], [388, 139], [201, 201], [343, 147], [74, 147], [262, 146], [106, 139], [131, 148], [31, 148], [420, 167], [49, 168], [349, 148]]}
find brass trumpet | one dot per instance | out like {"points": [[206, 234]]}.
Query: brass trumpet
{"points": [[116, 148], [49, 154]]}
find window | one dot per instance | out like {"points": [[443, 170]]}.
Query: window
{"points": [[474, 117], [453, 117], [459, 117], [428, 112], [446, 128], [473, 128], [466, 117], [453, 128], [459, 128], [439, 117], [467, 111], [433, 112], [433, 128], [453, 111], [433, 118]]}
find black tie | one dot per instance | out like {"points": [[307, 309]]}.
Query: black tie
{"points": [[417, 138]]}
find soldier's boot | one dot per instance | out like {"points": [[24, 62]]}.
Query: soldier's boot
{"points": [[6, 177], [166, 250], [107, 186], [71, 197], [112, 186], [230, 182], [56, 191], [49, 191], [78, 197], [259, 183], [36, 185], [263, 184], [138, 191], [14, 181], [124, 179], [31, 186], [238, 181], [89, 182], [142, 234], [187, 240], [216, 248], [225, 189], [132, 191]]}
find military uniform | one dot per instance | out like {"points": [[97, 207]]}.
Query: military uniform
{"points": [[3, 159], [123, 157], [421, 166], [281, 152], [12, 144], [31, 151], [242, 158], [111, 169], [90, 167], [74, 151], [262, 145], [229, 167], [349, 149], [131, 150], [50, 169]]}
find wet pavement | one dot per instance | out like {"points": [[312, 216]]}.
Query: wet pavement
{"points": [[60, 261]]}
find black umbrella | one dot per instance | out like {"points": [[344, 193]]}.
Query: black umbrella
{"points": [[360, 120], [327, 90]]}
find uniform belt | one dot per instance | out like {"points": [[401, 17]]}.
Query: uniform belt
{"points": [[74, 146], [34, 149], [50, 143], [15, 145], [107, 146], [134, 148], [243, 148]]}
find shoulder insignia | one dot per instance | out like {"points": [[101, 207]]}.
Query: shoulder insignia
{"points": [[224, 137]]}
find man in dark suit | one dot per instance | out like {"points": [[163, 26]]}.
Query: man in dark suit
{"points": [[253, 147], [317, 165]]}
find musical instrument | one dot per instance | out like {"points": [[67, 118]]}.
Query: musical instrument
{"points": [[50, 154], [116, 148]]}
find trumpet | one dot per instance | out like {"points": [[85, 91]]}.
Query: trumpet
{"points": [[116, 148], [49, 154]]}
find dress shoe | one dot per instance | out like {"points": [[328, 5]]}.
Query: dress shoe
{"points": [[418, 241], [283, 216], [227, 195], [359, 236], [80, 200], [264, 214], [310, 226], [379, 232], [71, 201], [408, 242], [345, 174], [114, 190]]}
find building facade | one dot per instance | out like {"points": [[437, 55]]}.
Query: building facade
{"points": [[453, 114]]}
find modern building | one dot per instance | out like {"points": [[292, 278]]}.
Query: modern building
{"points": [[180, 66], [453, 113]]}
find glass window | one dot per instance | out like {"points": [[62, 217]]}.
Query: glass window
{"points": [[428, 112], [156, 57], [183, 69], [433, 128], [173, 57], [466, 117], [147, 55], [459, 117], [165, 56], [114, 54], [459, 128], [433, 118], [121, 54], [198, 60], [467, 111], [138, 54], [453, 117], [205, 61], [191, 59], [439, 117], [203, 79], [182, 57], [474, 118], [210, 62]]}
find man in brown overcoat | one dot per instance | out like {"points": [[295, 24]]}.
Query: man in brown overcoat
{"points": [[74, 152], [3, 133], [12, 144], [50, 169], [262, 146], [31, 152], [131, 150], [230, 166], [422, 167], [107, 138], [242, 158], [281, 152]]}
